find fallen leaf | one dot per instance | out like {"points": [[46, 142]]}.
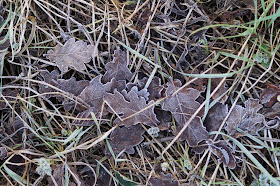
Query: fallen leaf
{"points": [[3, 153], [272, 112], [135, 105], [155, 88], [246, 119], [223, 152], [58, 175], [125, 138], [269, 95], [73, 87], [183, 105], [164, 117], [51, 79], [10, 96], [214, 83], [117, 68], [72, 54], [5, 43], [141, 93], [93, 94], [84, 118], [215, 117], [163, 180]]}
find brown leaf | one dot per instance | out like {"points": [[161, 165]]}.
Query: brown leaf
{"points": [[58, 175], [215, 117], [164, 118], [182, 105], [272, 112], [93, 94], [72, 54], [164, 180], [10, 95], [134, 105], [223, 152], [3, 153], [117, 68], [125, 138], [214, 83], [5, 44], [49, 78], [141, 93], [73, 87], [246, 119], [154, 88], [269, 95], [86, 117]]}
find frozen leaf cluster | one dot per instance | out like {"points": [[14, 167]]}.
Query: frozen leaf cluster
{"points": [[44, 167]]}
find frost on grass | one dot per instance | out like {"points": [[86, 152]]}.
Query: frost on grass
{"points": [[134, 110], [164, 180], [183, 105], [117, 68], [247, 119], [72, 54], [125, 138], [223, 152]]}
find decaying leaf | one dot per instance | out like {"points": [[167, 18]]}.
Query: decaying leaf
{"points": [[117, 68], [214, 83], [5, 43], [164, 118], [164, 180], [72, 54], [3, 153], [58, 175], [93, 94], [154, 88], [125, 138], [246, 119], [85, 118], [223, 152], [49, 78], [215, 117], [269, 95], [272, 112], [10, 95], [135, 105], [73, 87], [182, 105], [141, 93]]}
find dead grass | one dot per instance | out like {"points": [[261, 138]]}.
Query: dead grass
{"points": [[164, 39]]}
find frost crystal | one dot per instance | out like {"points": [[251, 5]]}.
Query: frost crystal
{"points": [[44, 167], [164, 166], [187, 164], [153, 131]]}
